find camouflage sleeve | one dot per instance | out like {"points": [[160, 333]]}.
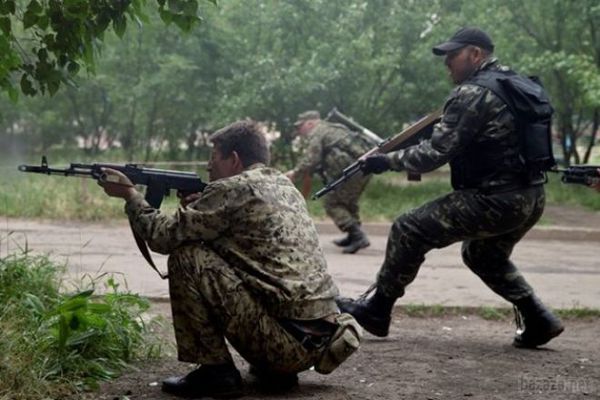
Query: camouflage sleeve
{"points": [[203, 219], [311, 158], [464, 115]]}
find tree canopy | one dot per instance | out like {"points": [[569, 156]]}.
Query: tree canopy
{"points": [[158, 91], [44, 43]]}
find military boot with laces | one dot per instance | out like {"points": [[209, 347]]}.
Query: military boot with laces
{"points": [[536, 324], [373, 313]]}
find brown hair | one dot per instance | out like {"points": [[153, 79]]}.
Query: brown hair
{"points": [[246, 139]]}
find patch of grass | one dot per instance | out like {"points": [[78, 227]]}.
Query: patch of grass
{"points": [[54, 343], [486, 312], [578, 313], [55, 197], [389, 195], [494, 314], [425, 311], [386, 197], [571, 194]]}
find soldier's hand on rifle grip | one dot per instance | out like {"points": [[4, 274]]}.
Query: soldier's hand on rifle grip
{"points": [[375, 164], [187, 198], [116, 184]]}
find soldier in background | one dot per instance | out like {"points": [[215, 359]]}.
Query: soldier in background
{"points": [[245, 265], [331, 148], [497, 198]]}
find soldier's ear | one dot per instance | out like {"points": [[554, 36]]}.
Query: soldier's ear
{"points": [[237, 163]]}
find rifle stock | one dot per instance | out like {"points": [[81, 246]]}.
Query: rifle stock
{"points": [[394, 143]]}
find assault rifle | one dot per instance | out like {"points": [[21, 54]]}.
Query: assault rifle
{"points": [[158, 182], [580, 174], [403, 139]]}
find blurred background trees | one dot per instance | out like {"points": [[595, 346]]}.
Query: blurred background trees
{"points": [[155, 91]]}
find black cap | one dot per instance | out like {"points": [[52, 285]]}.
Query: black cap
{"points": [[464, 37]]}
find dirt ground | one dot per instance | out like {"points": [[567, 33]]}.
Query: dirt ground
{"points": [[451, 357]]}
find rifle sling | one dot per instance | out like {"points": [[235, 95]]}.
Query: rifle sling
{"points": [[141, 243]]}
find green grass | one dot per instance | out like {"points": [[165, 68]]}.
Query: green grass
{"points": [[571, 194], [486, 312], [52, 343], [386, 197]]}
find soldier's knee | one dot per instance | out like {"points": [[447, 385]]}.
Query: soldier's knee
{"points": [[473, 259], [193, 258]]}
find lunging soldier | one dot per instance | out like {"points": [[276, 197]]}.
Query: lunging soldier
{"points": [[498, 194]]}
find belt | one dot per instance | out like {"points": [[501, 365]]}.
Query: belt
{"points": [[312, 334], [509, 187]]}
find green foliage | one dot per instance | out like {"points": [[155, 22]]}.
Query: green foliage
{"points": [[487, 312], [44, 43], [386, 197], [53, 343], [571, 195]]}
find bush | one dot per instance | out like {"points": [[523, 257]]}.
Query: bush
{"points": [[53, 343]]}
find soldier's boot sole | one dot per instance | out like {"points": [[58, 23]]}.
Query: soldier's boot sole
{"points": [[537, 338], [356, 246], [374, 324]]}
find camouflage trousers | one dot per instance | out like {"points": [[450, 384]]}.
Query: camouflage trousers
{"points": [[341, 205], [210, 304], [488, 225]]}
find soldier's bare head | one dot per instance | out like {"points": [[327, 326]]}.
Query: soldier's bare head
{"points": [[236, 147]]}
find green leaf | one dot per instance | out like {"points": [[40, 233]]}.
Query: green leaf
{"points": [[53, 87], [43, 21], [165, 16], [5, 25], [73, 67], [63, 332], [120, 25], [184, 22], [7, 7], [29, 19], [74, 322], [26, 86], [99, 308], [35, 304], [34, 7]]}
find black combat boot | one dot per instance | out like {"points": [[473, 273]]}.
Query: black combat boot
{"points": [[358, 240], [217, 381], [273, 382], [536, 324], [373, 313], [342, 242]]}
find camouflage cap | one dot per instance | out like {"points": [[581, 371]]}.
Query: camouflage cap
{"points": [[306, 116]]}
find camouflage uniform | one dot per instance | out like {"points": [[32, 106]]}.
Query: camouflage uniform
{"points": [[243, 256], [492, 207], [331, 148]]}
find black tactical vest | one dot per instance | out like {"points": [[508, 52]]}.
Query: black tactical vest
{"points": [[529, 104], [518, 160]]}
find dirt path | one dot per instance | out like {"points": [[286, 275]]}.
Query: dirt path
{"points": [[455, 357]]}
